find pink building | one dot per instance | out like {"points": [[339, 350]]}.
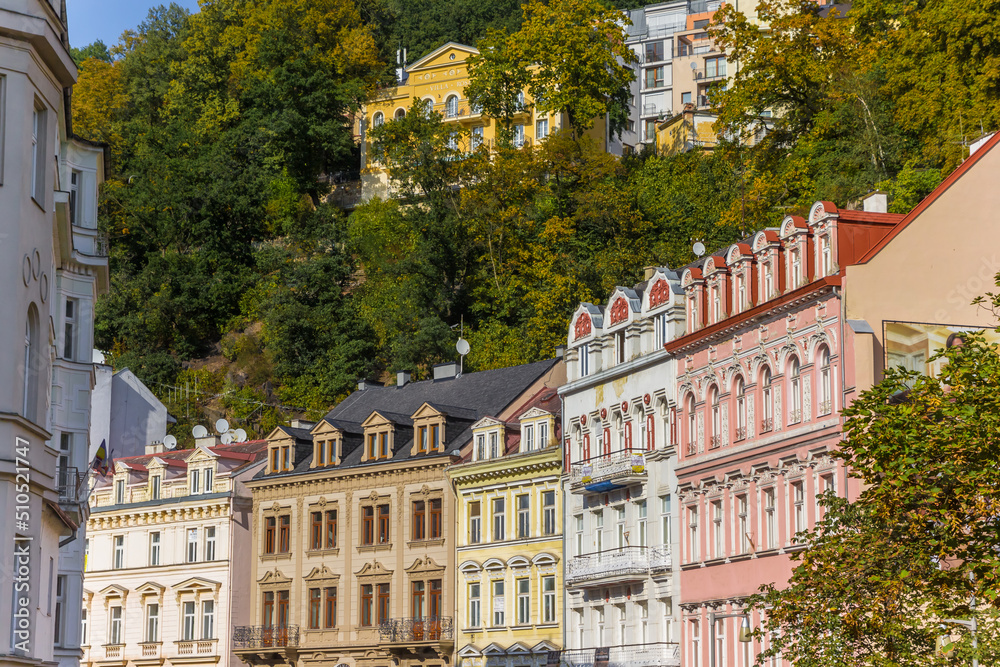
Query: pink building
{"points": [[762, 375]]}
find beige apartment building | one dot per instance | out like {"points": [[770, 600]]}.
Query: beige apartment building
{"points": [[354, 522]]}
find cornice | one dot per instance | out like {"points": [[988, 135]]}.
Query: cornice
{"points": [[330, 473]]}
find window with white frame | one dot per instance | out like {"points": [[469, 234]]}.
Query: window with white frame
{"points": [[660, 331], [643, 623], [75, 177], [541, 128], [209, 482], [39, 136], [641, 511], [799, 508], [720, 641], [528, 435], [715, 401], [620, 526], [665, 520], [795, 392], [548, 599], [796, 260], [155, 486], [523, 516], [451, 107], [693, 532], [475, 614], [119, 552], [481, 447], [578, 525], [475, 523], [476, 139], [743, 523], [194, 482], [768, 280], [495, 445], [84, 627], [622, 634], [210, 543], [154, 548], [692, 426], [70, 329], [770, 532], [718, 535], [542, 429], [767, 401], [825, 255], [524, 601], [583, 359], [825, 382], [620, 347], [152, 622], [188, 621], [695, 625], [518, 136], [208, 619], [499, 520], [499, 604], [119, 492], [548, 512], [192, 545], [599, 530], [58, 631], [115, 625], [741, 408]]}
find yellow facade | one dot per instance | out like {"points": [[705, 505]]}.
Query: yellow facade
{"points": [[509, 556], [685, 131]]}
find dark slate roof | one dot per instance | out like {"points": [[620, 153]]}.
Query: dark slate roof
{"points": [[465, 400]]}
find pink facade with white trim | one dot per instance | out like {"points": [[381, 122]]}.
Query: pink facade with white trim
{"points": [[762, 376]]}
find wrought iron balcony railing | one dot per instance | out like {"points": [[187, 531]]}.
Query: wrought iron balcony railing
{"points": [[825, 407], [662, 654], [265, 636], [611, 563], [419, 629], [766, 425], [716, 441], [70, 482], [659, 559], [609, 467], [692, 448], [741, 432]]}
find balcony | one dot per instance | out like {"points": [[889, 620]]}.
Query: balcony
{"points": [[70, 482], [741, 432], [825, 407], [710, 74], [618, 565], [660, 654], [149, 651], [405, 632], [113, 651], [660, 560], [657, 110], [700, 6], [715, 441], [766, 425], [264, 639], [608, 471], [196, 648]]}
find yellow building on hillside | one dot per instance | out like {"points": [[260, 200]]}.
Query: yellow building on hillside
{"points": [[440, 78], [509, 590]]}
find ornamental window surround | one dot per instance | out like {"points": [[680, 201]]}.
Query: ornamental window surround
{"points": [[488, 439], [825, 382], [281, 455], [375, 521], [537, 429], [379, 433], [323, 527], [428, 431], [276, 536], [795, 391], [328, 445]]}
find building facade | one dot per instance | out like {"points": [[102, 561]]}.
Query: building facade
{"points": [[168, 549], [619, 477], [354, 522], [509, 538], [677, 64], [763, 373], [55, 266]]}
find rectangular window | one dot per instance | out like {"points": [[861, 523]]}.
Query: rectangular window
{"points": [[194, 482], [685, 98], [549, 512], [799, 497], [498, 603], [331, 529], [435, 600], [518, 136], [494, 445], [480, 447], [154, 548], [70, 329], [422, 436], [548, 599], [654, 51], [119, 492], [284, 533], [383, 524], [523, 601], [417, 591], [267, 610], [436, 527], [372, 446], [192, 545], [475, 618], [523, 516], [529, 438], [419, 518], [383, 445], [119, 561], [769, 526], [188, 622], [715, 67], [154, 487], [269, 534], [435, 437], [368, 525], [583, 357], [654, 77], [115, 627], [330, 607], [39, 137], [743, 525], [498, 520], [475, 523], [366, 605], [578, 523], [718, 536], [383, 602], [283, 609], [57, 629], [275, 459], [315, 601], [210, 543], [209, 482], [641, 511], [541, 128], [208, 619], [83, 612], [693, 526], [316, 531]]}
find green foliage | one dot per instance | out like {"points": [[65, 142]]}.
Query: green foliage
{"points": [[920, 542], [909, 187], [97, 50], [421, 26], [498, 77]]}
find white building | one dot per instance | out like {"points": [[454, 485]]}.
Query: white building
{"points": [[619, 487], [54, 266], [125, 413], [168, 551]]}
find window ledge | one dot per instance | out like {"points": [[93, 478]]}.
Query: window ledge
{"points": [[280, 556], [432, 542], [335, 551], [366, 548]]}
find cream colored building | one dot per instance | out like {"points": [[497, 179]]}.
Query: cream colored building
{"points": [[354, 523], [168, 549], [509, 538]]}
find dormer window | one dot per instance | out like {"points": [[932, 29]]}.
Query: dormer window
{"points": [[154, 486], [209, 480], [796, 268], [194, 479], [716, 304], [768, 281], [620, 347], [119, 492], [741, 292], [494, 445], [428, 438], [825, 255], [326, 451], [528, 437], [378, 446], [281, 458], [584, 359]]}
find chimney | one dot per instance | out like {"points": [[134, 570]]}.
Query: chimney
{"points": [[302, 423], [876, 202], [447, 370], [649, 272], [209, 440], [155, 447], [402, 378], [560, 351], [367, 384]]}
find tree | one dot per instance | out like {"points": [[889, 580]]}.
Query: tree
{"points": [[920, 542], [97, 50], [498, 77], [580, 61]]}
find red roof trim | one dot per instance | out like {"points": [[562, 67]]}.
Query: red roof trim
{"points": [[760, 309], [868, 216], [932, 197]]}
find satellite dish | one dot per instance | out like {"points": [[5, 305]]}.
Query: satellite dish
{"points": [[227, 438], [221, 426], [170, 442], [694, 65], [199, 431], [699, 248], [462, 346], [240, 435]]}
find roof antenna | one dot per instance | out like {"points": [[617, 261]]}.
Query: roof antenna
{"points": [[463, 348]]}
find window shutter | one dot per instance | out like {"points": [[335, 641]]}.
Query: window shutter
{"points": [[650, 433], [607, 441]]}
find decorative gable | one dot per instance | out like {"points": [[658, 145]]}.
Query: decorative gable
{"points": [[424, 565], [619, 311], [659, 293], [583, 326]]}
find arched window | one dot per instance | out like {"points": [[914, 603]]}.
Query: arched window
{"points": [[766, 401], [451, 107], [825, 255], [741, 292], [768, 281], [378, 119], [713, 399], [825, 382], [716, 304], [692, 427], [794, 392], [741, 408], [32, 361], [400, 113]]}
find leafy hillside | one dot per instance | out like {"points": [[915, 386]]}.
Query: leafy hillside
{"points": [[237, 290]]}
